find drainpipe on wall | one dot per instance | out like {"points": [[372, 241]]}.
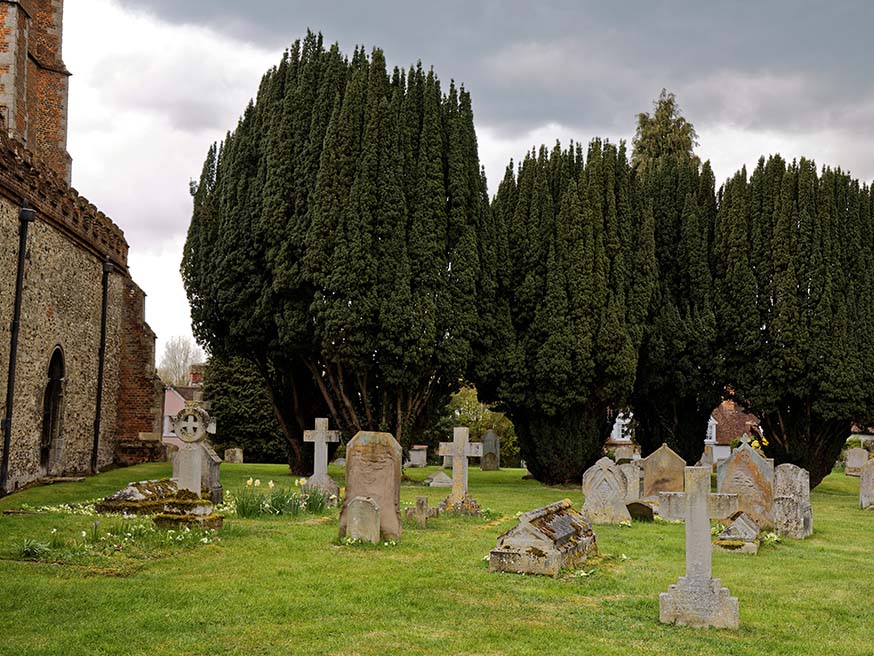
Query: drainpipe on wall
{"points": [[107, 269], [26, 216]]}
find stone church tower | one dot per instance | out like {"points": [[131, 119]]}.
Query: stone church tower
{"points": [[78, 389]]}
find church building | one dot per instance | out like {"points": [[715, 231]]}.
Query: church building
{"points": [[78, 388]]}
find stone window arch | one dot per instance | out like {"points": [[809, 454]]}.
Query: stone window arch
{"points": [[52, 432]]}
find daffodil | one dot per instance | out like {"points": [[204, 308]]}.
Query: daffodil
{"points": [[755, 444], [271, 485], [303, 482], [257, 482], [764, 441], [249, 483]]}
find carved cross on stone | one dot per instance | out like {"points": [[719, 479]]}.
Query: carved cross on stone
{"points": [[698, 599], [320, 438], [460, 450], [421, 513], [191, 425]]}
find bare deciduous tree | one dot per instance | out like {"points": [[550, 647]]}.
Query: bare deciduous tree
{"points": [[180, 353]]}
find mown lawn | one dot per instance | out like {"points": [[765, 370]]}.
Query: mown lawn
{"points": [[285, 586]]}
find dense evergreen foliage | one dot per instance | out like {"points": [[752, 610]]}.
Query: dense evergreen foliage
{"points": [[333, 241], [795, 305], [575, 272], [677, 387]]}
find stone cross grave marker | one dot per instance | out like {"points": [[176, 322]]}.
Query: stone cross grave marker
{"points": [[192, 424], [320, 438], [698, 599], [460, 450], [421, 512]]}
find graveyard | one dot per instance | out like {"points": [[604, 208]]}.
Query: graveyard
{"points": [[288, 585]]}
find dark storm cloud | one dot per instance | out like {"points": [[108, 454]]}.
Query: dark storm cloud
{"points": [[787, 66]]}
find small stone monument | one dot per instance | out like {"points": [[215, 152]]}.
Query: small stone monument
{"points": [[866, 486], [320, 479], [632, 472], [191, 426], [623, 453], [234, 456], [740, 536], [460, 449], [362, 520], [545, 540], [856, 459], [491, 458], [421, 513], [662, 472], [447, 462], [373, 469], [418, 455], [211, 476], [698, 599], [793, 514], [751, 477], [604, 487], [438, 479]]}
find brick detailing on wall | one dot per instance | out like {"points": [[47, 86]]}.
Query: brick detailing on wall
{"points": [[34, 82], [141, 393]]}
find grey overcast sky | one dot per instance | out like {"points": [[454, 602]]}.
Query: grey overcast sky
{"points": [[156, 81]]}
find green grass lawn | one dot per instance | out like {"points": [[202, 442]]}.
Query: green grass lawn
{"points": [[285, 586]]}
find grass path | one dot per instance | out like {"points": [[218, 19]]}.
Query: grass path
{"points": [[284, 586]]}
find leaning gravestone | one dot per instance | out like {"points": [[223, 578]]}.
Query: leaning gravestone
{"points": [[740, 536], [866, 486], [373, 470], [211, 477], [662, 472], [856, 459], [751, 477], [545, 541], [362, 520], [234, 456], [604, 488], [491, 458], [793, 515], [320, 437], [698, 599]]}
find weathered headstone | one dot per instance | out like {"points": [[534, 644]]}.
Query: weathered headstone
{"points": [[604, 488], [460, 450], [191, 425], [662, 472], [438, 479], [672, 506], [866, 486], [856, 459], [751, 477], [320, 437], [421, 513], [697, 599], [418, 455], [362, 520], [447, 462], [793, 514], [632, 472], [640, 511], [740, 536], [545, 540], [373, 469], [211, 477], [491, 458], [234, 456]]}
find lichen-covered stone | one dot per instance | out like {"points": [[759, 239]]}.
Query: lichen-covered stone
{"points": [[740, 536], [793, 514], [751, 476], [856, 459], [662, 472], [604, 488], [373, 470]]}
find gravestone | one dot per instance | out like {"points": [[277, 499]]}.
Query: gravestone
{"points": [[740, 536], [447, 462], [460, 450], [491, 458], [751, 477], [191, 425], [662, 472], [697, 599], [211, 477], [545, 540], [320, 437], [866, 486], [373, 470], [632, 472], [421, 513], [640, 511], [856, 459], [362, 520], [234, 456], [418, 455], [793, 514], [438, 479], [604, 488]]}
